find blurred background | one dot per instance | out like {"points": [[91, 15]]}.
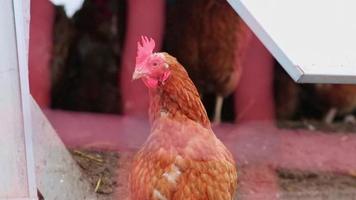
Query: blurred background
{"points": [[87, 46]]}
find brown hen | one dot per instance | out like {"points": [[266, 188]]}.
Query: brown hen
{"points": [[182, 158], [208, 38], [334, 99], [312, 100]]}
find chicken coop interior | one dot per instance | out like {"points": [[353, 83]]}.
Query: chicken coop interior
{"points": [[275, 86]]}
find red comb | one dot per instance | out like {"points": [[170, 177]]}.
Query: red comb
{"points": [[144, 48]]}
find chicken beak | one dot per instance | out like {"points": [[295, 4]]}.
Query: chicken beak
{"points": [[138, 73]]}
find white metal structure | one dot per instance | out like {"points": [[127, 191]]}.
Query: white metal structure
{"points": [[17, 180], [31, 154], [315, 41]]}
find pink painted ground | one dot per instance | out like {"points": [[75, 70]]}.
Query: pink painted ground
{"points": [[258, 147], [251, 143]]}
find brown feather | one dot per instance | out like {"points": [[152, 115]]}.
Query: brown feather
{"points": [[178, 97], [339, 96], [207, 37], [182, 158]]}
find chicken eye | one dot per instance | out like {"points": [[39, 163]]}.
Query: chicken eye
{"points": [[155, 64]]}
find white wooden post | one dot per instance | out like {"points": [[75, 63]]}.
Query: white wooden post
{"points": [[17, 179]]}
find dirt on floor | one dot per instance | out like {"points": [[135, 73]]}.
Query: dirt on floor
{"points": [[101, 170], [104, 169], [316, 185], [317, 125]]}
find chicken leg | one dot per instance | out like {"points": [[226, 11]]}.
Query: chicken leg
{"points": [[218, 108], [330, 116]]}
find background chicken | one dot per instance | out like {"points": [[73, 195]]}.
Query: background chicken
{"points": [[63, 36], [208, 41], [87, 52], [182, 158], [287, 94], [320, 101], [333, 100]]}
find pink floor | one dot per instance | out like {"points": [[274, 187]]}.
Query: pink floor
{"points": [[258, 147]]}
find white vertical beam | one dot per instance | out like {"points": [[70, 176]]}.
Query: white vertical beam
{"points": [[17, 180], [58, 175], [13, 182], [22, 37]]}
